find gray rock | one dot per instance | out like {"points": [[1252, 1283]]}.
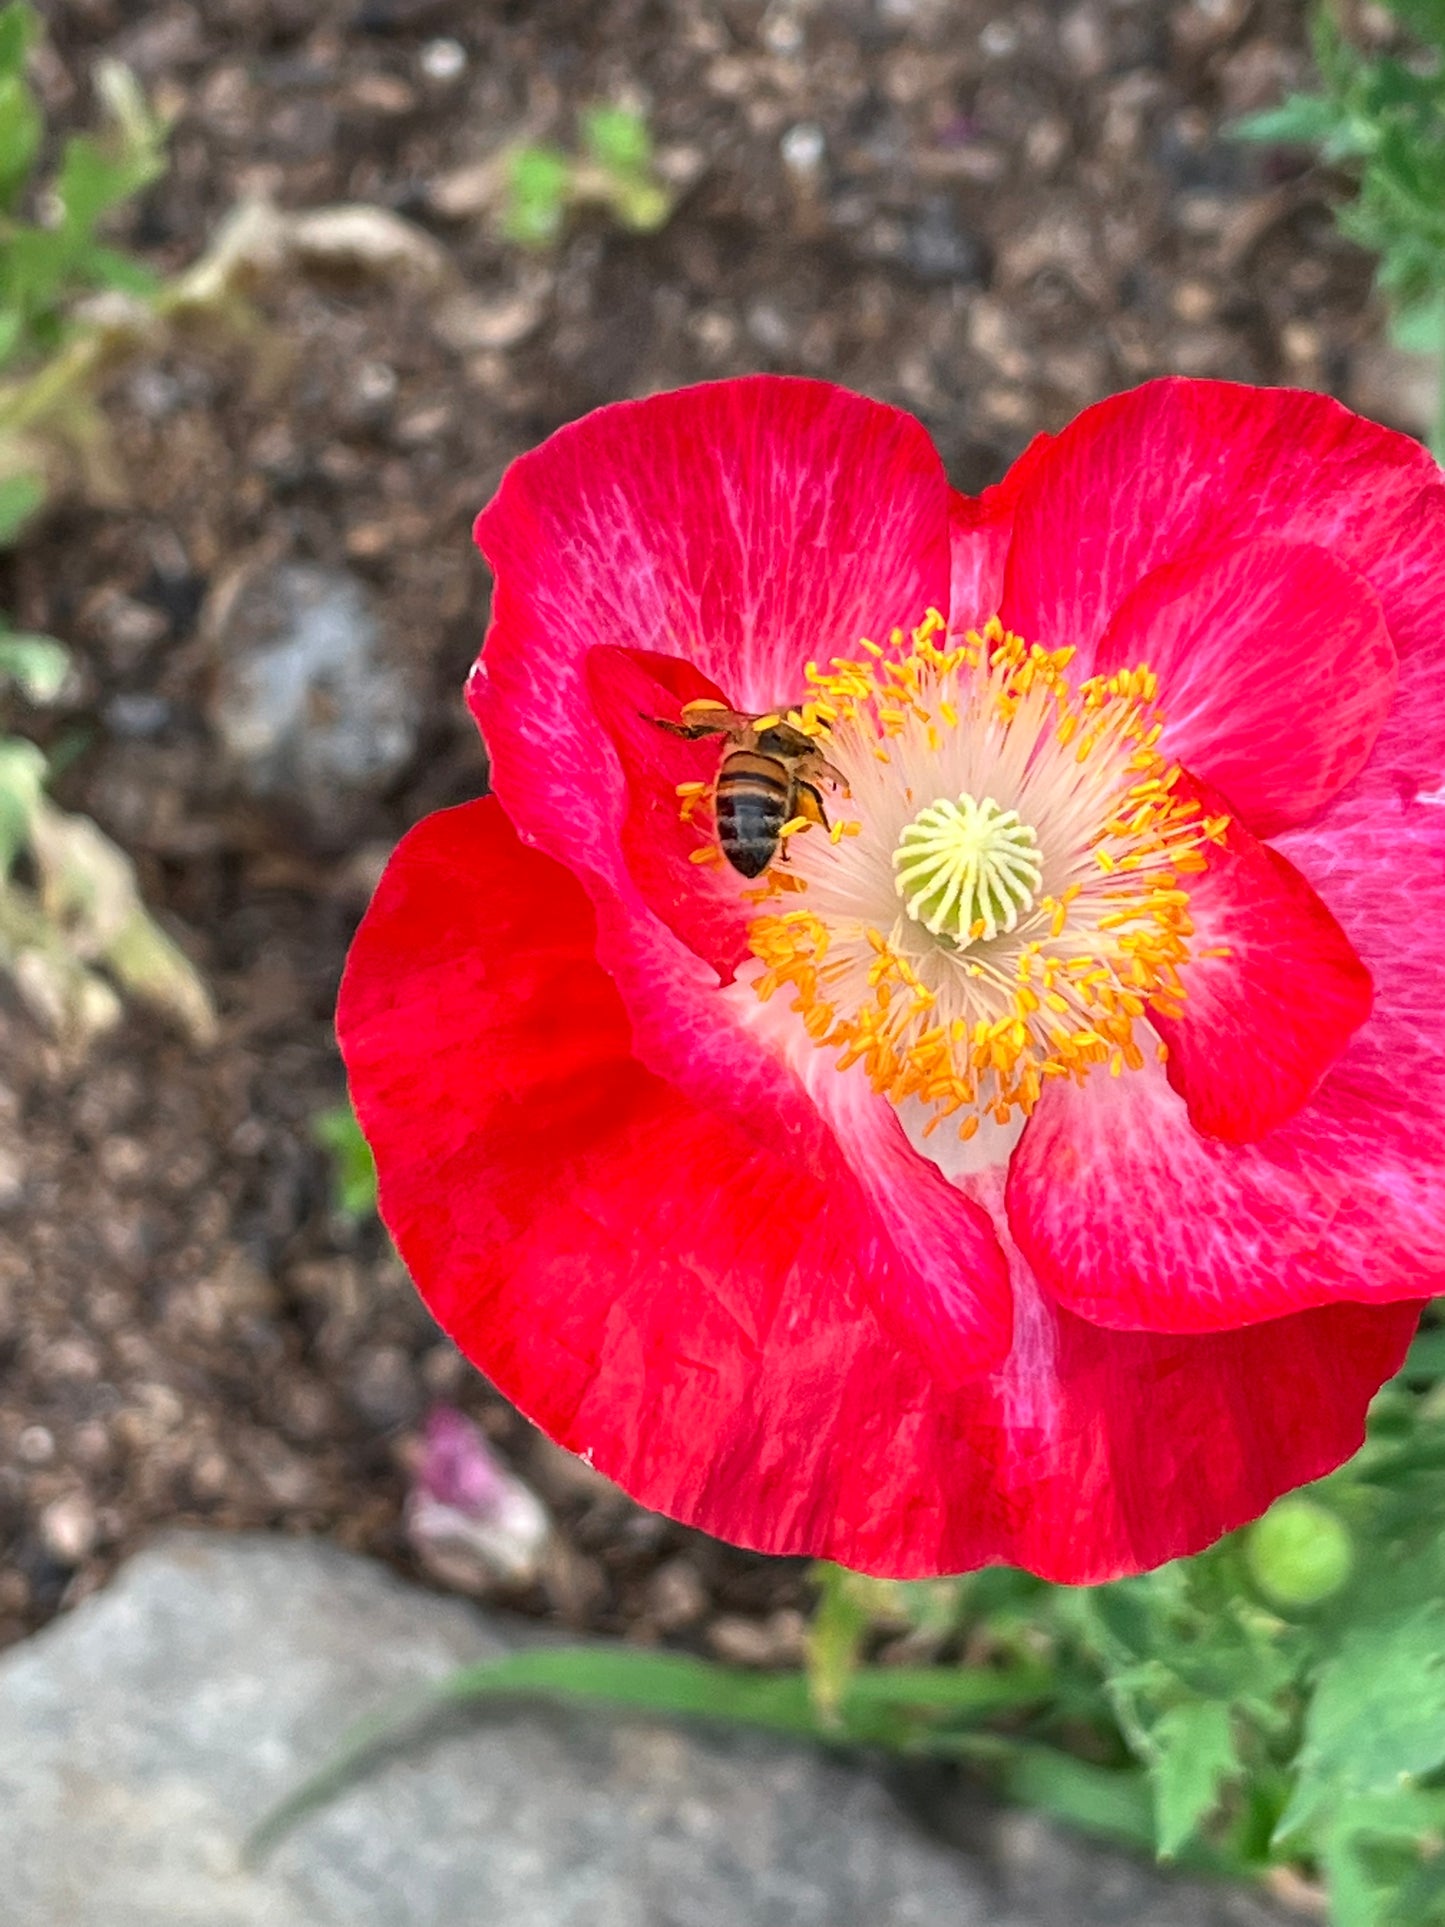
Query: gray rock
{"points": [[142, 1736], [308, 702], [1053, 1879]]}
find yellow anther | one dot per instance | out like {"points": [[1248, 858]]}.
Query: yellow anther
{"points": [[969, 1006]]}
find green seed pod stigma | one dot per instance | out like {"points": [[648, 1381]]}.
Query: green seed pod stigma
{"points": [[967, 870], [1299, 1553]]}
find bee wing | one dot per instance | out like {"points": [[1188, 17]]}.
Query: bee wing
{"points": [[706, 722], [710, 718]]}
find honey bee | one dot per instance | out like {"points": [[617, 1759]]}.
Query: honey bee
{"points": [[767, 777]]}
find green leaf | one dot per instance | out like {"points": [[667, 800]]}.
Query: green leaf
{"points": [[640, 205], [92, 181], [108, 268], [1374, 1858], [538, 182], [33, 268], [21, 132], [1303, 120], [21, 126], [22, 783], [1426, 1359], [1111, 1801], [1377, 1719], [37, 665], [1194, 1755], [353, 1169], [617, 139], [1424, 18], [20, 497], [19, 29]]}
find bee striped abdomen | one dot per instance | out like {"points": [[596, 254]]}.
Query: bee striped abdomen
{"points": [[752, 803]]}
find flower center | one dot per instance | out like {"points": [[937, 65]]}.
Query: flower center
{"points": [[1023, 925], [967, 870]]}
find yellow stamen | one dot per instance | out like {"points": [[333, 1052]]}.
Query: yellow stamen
{"points": [[989, 983]]}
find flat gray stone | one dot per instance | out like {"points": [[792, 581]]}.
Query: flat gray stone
{"points": [[311, 703], [142, 1736]]}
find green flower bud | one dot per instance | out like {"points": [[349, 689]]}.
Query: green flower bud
{"points": [[1299, 1553]]}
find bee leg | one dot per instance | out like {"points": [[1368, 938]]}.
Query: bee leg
{"points": [[810, 804], [690, 732]]}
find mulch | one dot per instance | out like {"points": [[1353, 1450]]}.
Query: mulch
{"points": [[988, 215]]}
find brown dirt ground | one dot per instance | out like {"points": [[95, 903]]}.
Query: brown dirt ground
{"points": [[1018, 208]]}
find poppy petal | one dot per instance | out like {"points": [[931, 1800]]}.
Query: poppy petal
{"points": [[1273, 991], [1276, 672], [1407, 762], [700, 902], [695, 1316], [1132, 1219], [463, 890], [1178, 469], [980, 531], [747, 526]]}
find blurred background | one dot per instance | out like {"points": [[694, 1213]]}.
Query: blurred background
{"points": [[351, 258]]}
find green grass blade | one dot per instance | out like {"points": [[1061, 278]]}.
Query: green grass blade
{"points": [[671, 1684], [643, 1682]]}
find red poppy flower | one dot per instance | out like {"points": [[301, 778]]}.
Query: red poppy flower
{"points": [[1042, 1157]]}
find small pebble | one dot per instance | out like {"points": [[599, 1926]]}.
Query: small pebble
{"points": [[1301, 341], [137, 715], [128, 626], [384, 1386], [443, 60], [802, 147], [769, 327], [36, 1445], [676, 1596], [12, 1180], [374, 383], [999, 39], [68, 1528], [778, 1640], [91, 1444], [382, 94], [1194, 301], [782, 31]]}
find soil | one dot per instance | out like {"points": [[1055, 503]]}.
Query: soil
{"points": [[989, 214]]}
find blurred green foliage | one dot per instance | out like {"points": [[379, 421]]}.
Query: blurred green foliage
{"points": [[1277, 1703], [74, 933], [353, 1169], [51, 255], [1381, 115], [613, 170]]}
